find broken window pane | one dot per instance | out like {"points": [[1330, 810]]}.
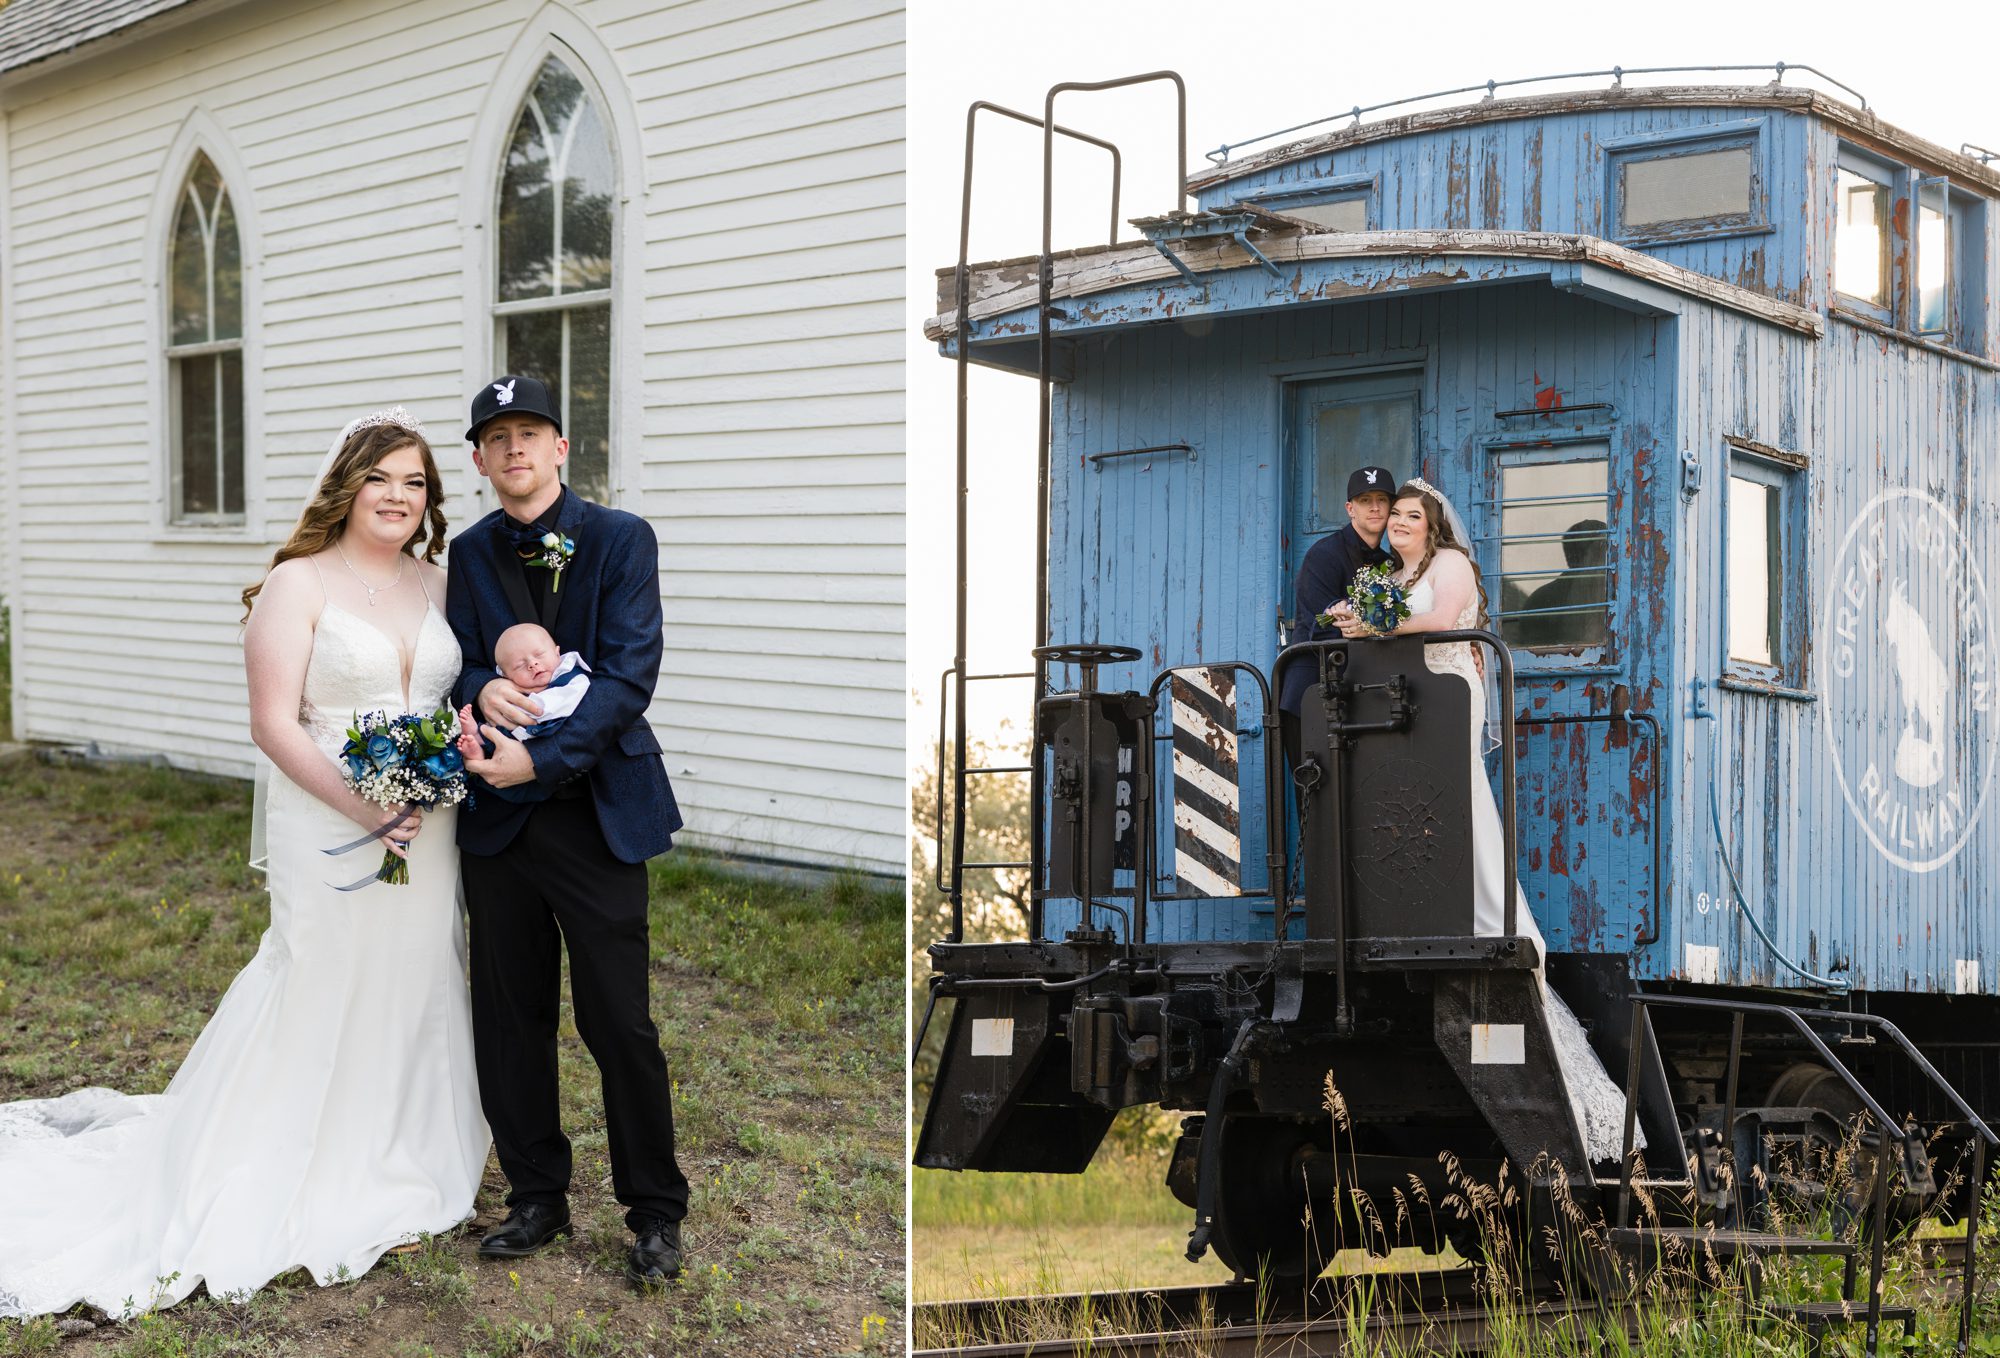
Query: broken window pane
{"points": [[1663, 189], [1343, 214], [1861, 242], [1554, 577]]}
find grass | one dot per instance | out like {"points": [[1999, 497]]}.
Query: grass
{"points": [[126, 908], [988, 1236], [996, 1235]]}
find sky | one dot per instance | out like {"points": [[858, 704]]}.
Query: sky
{"points": [[1929, 70]]}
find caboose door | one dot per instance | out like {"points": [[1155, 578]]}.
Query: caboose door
{"points": [[1333, 427]]}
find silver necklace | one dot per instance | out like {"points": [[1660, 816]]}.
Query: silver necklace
{"points": [[373, 590]]}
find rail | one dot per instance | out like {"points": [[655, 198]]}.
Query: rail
{"points": [[1220, 155], [962, 288]]}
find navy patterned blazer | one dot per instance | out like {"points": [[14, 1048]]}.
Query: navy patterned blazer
{"points": [[608, 611]]}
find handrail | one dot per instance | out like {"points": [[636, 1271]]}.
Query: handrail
{"points": [[961, 296], [1275, 861], [1220, 155], [1906, 1138], [955, 887], [1044, 380]]}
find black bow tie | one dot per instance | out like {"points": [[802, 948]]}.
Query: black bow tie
{"points": [[527, 541]]}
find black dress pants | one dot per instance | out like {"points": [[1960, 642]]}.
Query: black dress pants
{"points": [[558, 884]]}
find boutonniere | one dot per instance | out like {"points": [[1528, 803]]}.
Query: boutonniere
{"points": [[553, 554]]}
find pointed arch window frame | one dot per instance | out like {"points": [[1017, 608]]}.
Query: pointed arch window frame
{"points": [[200, 134], [555, 31]]}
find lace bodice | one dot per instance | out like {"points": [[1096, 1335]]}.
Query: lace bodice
{"points": [[1453, 657], [356, 668]]}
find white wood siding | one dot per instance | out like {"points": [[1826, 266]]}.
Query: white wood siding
{"points": [[766, 404]]}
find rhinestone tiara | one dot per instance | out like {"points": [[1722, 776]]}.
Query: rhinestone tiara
{"points": [[395, 415]]}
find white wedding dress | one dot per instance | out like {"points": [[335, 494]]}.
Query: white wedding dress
{"points": [[1598, 1102], [327, 1112]]}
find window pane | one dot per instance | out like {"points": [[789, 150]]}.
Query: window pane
{"points": [[1933, 259], [188, 270], [556, 193], [1354, 434], [228, 274], [1753, 571], [534, 349], [527, 209], [585, 206], [587, 402], [195, 392], [230, 369], [1347, 214], [1687, 188], [1554, 577], [1861, 242]]}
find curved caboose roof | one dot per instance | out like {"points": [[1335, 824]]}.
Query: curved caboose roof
{"points": [[1857, 124]]}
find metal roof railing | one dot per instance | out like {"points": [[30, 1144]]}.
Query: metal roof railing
{"points": [[1220, 155]]}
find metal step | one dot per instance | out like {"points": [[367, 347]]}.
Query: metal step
{"points": [[1730, 1244]]}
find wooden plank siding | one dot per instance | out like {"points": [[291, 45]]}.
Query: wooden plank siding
{"points": [[1491, 295], [761, 406]]}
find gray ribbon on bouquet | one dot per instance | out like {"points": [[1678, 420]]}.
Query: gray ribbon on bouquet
{"points": [[379, 832]]}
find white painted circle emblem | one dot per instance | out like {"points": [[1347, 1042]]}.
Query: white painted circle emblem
{"points": [[1907, 679]]}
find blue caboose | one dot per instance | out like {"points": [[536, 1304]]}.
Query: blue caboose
{"points": [[1713, 375]]}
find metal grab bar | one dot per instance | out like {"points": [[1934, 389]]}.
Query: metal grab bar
{"points": [[955, 886], [1275, 860], [1220, 155]]}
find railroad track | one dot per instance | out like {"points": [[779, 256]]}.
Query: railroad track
{"points": [[1438, 1311], [1432, 1311]]}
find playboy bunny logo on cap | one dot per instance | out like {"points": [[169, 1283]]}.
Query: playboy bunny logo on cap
{"points": [[1371, 480], [511, 395]]}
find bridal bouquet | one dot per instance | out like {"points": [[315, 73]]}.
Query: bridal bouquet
{"points": [[1379, 603], [399, 760]]}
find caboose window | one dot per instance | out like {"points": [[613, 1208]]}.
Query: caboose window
{"points": [[1934, 257], [1687, 183], [1763, 578], [1663, 190], [1754, 539], [1552, 586], [1861, 240], [1348, 204]]}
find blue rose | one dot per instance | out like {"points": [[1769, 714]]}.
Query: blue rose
{"points": [[453, 760], [357, 767], [435, 767], [381, 750]]}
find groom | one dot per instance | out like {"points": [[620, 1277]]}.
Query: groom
{"points": [[569, 866]]}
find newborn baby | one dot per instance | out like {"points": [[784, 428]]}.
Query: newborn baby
{"points": [[526, 654]]}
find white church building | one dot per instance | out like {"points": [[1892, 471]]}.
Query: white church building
{"points": [[227, 225]]}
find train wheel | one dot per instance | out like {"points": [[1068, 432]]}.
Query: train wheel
{"points": [[1833, 1172], [1266, 1225]]}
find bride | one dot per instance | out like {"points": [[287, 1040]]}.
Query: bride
{"points": [[328, 1112], [1444, 592]]}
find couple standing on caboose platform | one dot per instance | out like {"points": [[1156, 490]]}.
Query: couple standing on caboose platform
{"points": [[1414, 530]]}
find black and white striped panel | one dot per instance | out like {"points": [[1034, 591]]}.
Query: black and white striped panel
{"points": [[1208, 853]]}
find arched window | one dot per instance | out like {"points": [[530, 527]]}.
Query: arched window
{"points": [[205, 352], [553, 310]]}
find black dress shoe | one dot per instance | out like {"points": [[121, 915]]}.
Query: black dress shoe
{"points": [[655, 1257], [527, 1228]]}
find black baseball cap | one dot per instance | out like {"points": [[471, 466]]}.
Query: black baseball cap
{"points": [[1369, 480], [511, 395]]}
